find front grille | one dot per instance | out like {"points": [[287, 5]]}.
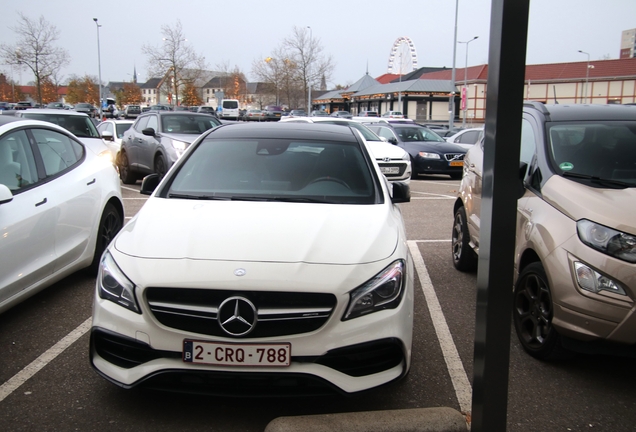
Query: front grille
{"points": [[278, 313], [401, 167], [454, 156]]}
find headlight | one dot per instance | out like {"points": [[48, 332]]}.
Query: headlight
{"points": [[426, 155], [179, 146], [113, 285], [593, 281], [383, 291], [607, 240], [107, 155], [406, 156]]}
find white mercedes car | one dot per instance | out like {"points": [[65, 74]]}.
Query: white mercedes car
{"points": [[60, 205], [271, 259]]}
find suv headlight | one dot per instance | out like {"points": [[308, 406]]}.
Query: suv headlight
{"points": [[383, 291], [113, 285], [179, 146], [614, 243], [427, 155]]}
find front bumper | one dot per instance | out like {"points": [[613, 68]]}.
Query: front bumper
{"points": [[435, 166]]}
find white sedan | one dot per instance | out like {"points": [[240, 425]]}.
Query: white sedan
{"points": [[272, 258], [60, 205], [112, 132]]}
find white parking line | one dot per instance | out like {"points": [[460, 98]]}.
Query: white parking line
{"points": [[463, 389], [36, 365], [130, 189]]}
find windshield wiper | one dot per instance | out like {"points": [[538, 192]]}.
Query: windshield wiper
{"points": [[279, 199], [198, 197], [598, 180]]}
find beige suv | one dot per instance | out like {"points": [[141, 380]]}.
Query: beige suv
{"points": [[575, 253]]}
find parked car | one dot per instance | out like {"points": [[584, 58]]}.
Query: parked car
{"points": [[466, 137], [255, 115], [368, 114], [297, 113], [5, 106], [430, 154], [22, 105], [55, 105], [112, 132], [157, 139], [160, 107], [86, 108], [60, 205], [273, 112], [342, 114], [318, 113], [182, 108], [575, 251], [132, 111], [111, 112], [393, 114], [285, 257], [145, 109], [207, 110], [394, 162]]}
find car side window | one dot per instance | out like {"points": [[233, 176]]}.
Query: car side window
{"points": [[141, 124], [152, 123], [58, 151], [386, 133], [17, 163], [528, 154]]}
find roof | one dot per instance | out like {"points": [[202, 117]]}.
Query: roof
{"points": [[363, 83], [387, 78], [589, 112], [417, 85], [285, 130], [599, 69], [151, 83]]}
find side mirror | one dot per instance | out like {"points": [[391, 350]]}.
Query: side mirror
{"points": [[148, 132], [5, 194], [393, 141], [149, 183], [401, 193], [108, 136]]}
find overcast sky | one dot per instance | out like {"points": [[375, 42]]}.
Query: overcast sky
{"points": [[356, 33]]}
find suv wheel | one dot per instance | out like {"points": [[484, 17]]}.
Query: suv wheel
{"points": [[160, 166], [125, 173], [464, 257], [532, 314]]}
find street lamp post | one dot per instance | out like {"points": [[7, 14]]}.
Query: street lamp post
{"points": [[99, 69], [465, 90], [311, 36], [587, 72]]}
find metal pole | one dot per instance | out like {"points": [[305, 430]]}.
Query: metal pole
{"points": [[587, 72], [451, 102], [465, 91], [99, 70], [311, 36]]}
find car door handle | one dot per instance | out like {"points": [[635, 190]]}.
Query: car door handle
{"points": [[91, 182], [41, 202]]}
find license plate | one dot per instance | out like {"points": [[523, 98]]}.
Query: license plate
{"points": [[390, 170], [231, 354], [456, 163]]}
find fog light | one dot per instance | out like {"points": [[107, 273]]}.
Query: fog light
{"points": [[592, 281]]}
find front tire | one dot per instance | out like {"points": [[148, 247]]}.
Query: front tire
{"points": [[160, 166], [109, 225], [126, 174], [464, 257], [532, 313]]}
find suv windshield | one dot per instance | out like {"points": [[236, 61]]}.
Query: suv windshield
{"points": [[275, 170], [605, 150]]}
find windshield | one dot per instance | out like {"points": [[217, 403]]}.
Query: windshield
{"points": [[604, 150], [230, 104], [188, 124], [79, 125], [275, 170], [408, 134]]}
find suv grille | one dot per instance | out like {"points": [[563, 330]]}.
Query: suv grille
{"points": [[278, 313]]}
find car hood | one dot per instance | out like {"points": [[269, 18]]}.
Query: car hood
{"points": [[614, 208], [261, 232], [381, 150], [96, 145], [441, 146]]}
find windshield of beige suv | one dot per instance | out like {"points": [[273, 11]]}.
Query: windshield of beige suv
{"points": [[603, 150]]}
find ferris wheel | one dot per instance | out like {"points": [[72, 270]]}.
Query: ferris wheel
{"points": [[403, 58]]}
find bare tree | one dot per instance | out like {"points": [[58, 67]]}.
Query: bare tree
{"points": [[36, 50], [175, 59], [307, 53]]}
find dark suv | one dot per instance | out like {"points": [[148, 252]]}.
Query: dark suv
{"points": [[575, 251], [157, 139], [132, 111]]}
